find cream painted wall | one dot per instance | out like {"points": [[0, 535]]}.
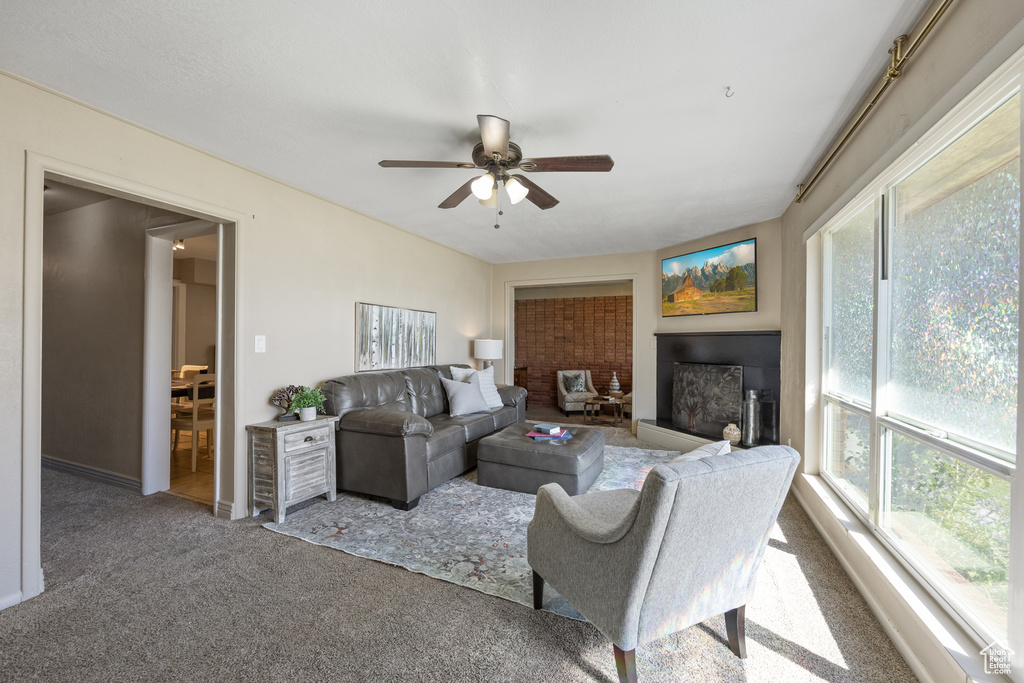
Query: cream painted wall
{"points": [[200, 325], [768, 315], [647, 304], [572, 291], [284, 236], [195, 271]]}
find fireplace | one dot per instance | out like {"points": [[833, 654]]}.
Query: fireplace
{"points": [[706, 397], [704, 377]]}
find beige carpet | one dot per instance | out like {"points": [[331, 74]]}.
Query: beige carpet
{"points": [[156, 589]]}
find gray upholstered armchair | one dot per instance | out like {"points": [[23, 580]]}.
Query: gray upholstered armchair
{"points": [[641, 565], [574, 400]]}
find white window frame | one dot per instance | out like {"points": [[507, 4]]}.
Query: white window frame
{"points": [[993, 93]]}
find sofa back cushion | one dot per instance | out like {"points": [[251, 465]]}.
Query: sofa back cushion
{"points": [[446, 370], [425, 393], [385, 389]]}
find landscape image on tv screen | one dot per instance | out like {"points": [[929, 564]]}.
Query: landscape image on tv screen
{"points": [[718, 280]]}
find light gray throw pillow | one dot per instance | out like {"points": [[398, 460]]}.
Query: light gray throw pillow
{"points": [[487, 386], [464, 397], [705, 451]]}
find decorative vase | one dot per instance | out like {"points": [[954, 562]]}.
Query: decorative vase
{"points": [[613, 386], [751, 419], [770, 421], [731, 433], [307, 414]]}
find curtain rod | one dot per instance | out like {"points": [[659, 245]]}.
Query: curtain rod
{"points": [[895, 69]]}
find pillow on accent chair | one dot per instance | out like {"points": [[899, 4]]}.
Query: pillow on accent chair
{"points": [[705, 451], [464, 397], [487, 386], [575, 382]]}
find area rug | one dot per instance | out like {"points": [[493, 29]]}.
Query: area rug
{"points": [[461, 532]]}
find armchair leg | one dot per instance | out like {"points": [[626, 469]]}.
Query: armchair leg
{"points": [[405, 506], [538, 591], [735, 620], [625, 662]]}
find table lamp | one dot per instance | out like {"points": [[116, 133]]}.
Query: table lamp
{"points": [[487, 350]]}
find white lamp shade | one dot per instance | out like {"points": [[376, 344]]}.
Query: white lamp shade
{"points": [[516, 190], [483, 186], [492, 201], [487, 349]]}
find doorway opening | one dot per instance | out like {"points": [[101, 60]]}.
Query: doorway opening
{"points": [[125, 281], [586, 324], [95, 280], [193, 358]]}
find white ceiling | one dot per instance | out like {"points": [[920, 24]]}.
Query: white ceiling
{"points": [[315, 93]]}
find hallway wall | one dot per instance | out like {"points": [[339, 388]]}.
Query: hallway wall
{"points": [[93, 279]]}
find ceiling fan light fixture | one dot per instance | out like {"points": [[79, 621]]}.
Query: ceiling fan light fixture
{"points": [[178, 244], [516, 190], [492, 201], [483, 187]]}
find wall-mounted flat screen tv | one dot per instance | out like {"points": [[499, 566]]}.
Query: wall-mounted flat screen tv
{"points": [[718, 280]]}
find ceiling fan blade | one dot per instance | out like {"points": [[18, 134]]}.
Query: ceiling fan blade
{"points": [[536, 195], [455, 198], [595, 162], [494, 134], [392, 163]]}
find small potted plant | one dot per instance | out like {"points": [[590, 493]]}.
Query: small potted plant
{"points": [[307, 403]]}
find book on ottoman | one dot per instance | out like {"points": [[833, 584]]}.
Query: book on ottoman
{"points": [[539, 436], [547, 428]]}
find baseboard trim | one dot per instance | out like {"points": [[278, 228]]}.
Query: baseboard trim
{"points": [[10, 600], [225, 509], [92, 473]]}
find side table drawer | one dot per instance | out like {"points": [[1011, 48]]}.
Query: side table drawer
{"points": [[305, 474], [307, 438]]}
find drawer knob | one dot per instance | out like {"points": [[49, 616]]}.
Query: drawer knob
{"points": [[309, 438]]}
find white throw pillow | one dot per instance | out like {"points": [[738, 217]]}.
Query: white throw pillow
{"points": [[705, 451], [464, 397], [487, 386]]}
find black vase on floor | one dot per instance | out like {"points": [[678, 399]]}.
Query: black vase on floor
{"points": [[769, 421], [751, 428]]}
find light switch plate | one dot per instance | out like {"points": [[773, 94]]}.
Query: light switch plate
{"points": [[261, 343]]}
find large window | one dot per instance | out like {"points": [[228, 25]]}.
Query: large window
{"points": [[920, 365]]}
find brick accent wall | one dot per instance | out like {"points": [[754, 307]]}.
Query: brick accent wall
{"points": [[584, 333]]}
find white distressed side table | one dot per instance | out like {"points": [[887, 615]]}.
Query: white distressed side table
{"points": [[290, 462]]}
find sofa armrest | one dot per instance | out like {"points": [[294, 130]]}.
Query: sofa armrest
{"points": [[386, 422], [512, 395]]}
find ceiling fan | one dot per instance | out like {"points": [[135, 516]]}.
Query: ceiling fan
{"points": [[497, 155]]}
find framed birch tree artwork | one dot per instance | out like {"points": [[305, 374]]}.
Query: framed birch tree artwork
{"points": [[389, 338]]}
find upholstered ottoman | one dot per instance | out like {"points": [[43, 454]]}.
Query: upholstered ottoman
{"points": [[511, 460]]}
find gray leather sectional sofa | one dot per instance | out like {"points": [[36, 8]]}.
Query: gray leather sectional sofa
{"points": [[396, 439]]}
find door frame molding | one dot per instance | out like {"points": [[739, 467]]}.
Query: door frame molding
{"points": [[230, 481]]}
